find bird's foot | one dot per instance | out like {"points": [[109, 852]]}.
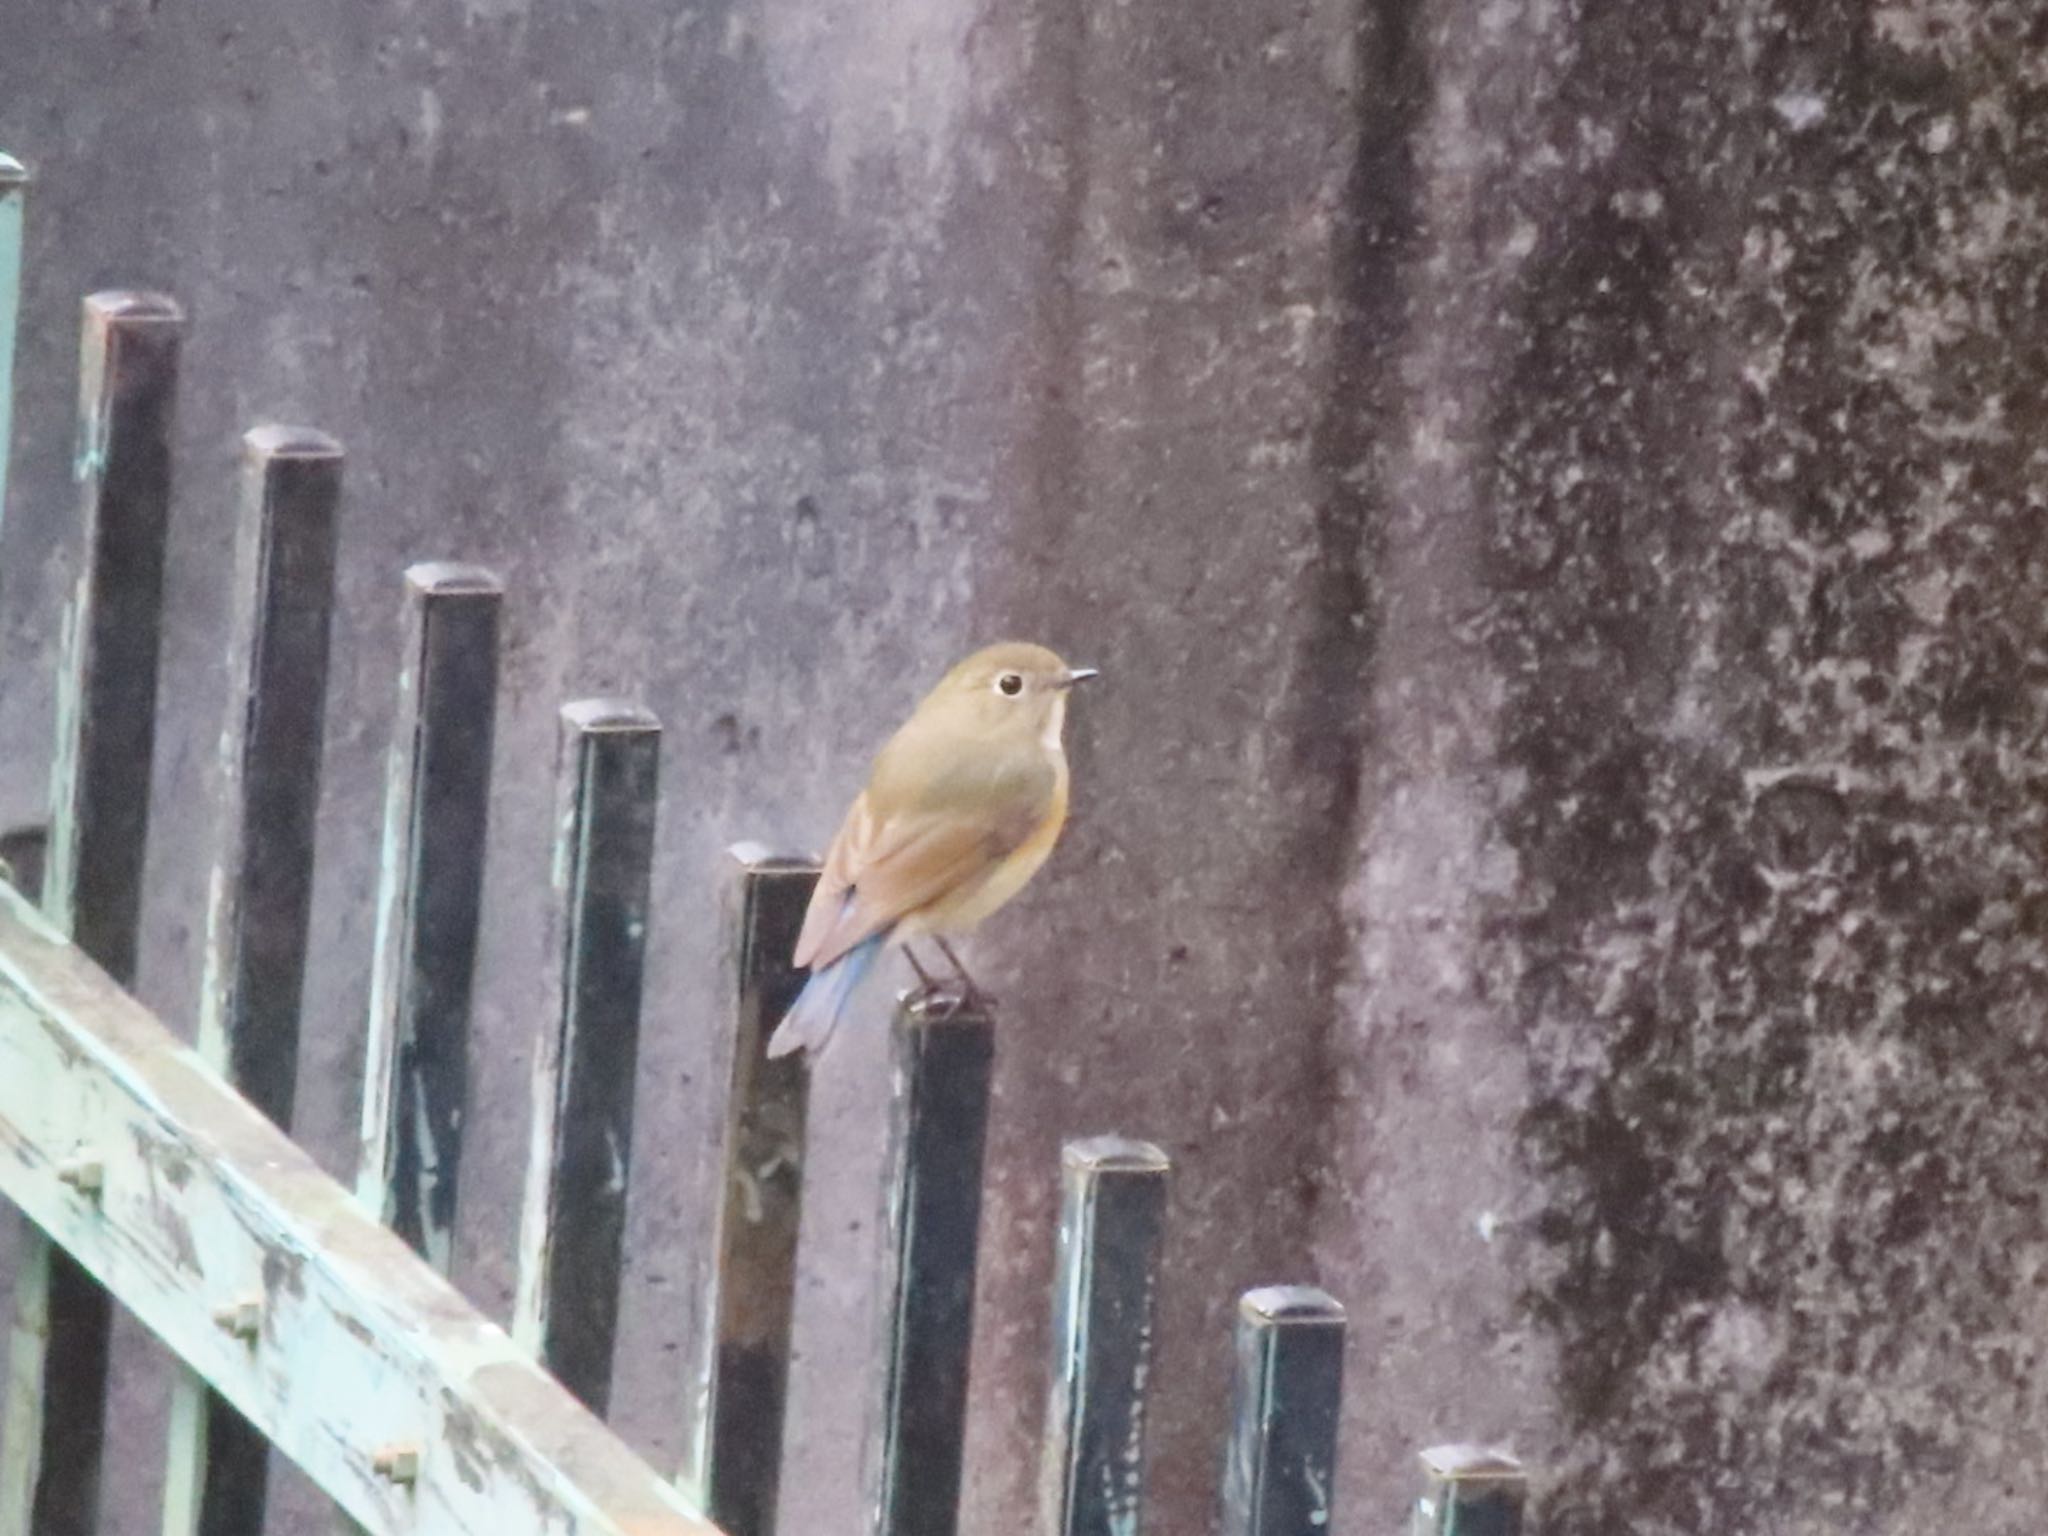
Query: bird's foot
{"points": [[945, 1001], [946, 998], [972, 994]]}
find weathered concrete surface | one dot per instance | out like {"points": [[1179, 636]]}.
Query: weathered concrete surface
{"points": [[1703, 839], [1557, 490]]}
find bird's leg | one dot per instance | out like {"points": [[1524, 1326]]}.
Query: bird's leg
{"points": [[931, 990], [970, 989], [924, 977]]}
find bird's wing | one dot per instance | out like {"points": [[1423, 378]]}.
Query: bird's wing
{"points": [[879, 872], [829, 895]]}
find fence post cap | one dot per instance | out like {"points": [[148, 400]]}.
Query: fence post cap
{"points": [[1113, 1154], [274, 440], [13, 174], [133, 306], [1466, 1463], [1290, 1304], [760, 858], [622, 716], [452, 577]]}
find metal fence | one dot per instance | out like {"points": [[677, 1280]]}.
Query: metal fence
{"points": [[319, 1319]]}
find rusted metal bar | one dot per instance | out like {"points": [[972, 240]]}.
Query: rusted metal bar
{"points": [[944, 1057], [736, 1464], [51, 1441], [266, 1277], [1470, 1490], [1112, 1222], [571, 1240], [260, 896], [13, 198], [435, 820], [1279, 1470]]}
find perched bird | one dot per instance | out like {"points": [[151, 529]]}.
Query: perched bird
{"points": [[961, 807]]}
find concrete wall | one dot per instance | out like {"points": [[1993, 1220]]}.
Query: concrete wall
{"points": [[1558, 493]]}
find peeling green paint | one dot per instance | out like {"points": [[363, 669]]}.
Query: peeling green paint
{"points": [[363, 1347]]}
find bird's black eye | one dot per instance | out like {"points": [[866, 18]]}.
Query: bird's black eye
{"points": [[1011, 684]]}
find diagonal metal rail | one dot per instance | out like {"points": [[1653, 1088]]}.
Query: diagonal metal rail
{"points": [[344, 1349]]}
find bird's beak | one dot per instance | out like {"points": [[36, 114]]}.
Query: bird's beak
{"points": [[1078, 675]]}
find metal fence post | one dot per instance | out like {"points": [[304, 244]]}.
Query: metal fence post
{"points": [[572, 1234], [1469, 1490], [945, 1054], [735, 1467], [1281, 1464], [92, 884], [436, 813], [217, 1467], [13, 196], [1112, 1222]]}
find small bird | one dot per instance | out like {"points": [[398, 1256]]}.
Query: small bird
{"points": [[961, 807]]}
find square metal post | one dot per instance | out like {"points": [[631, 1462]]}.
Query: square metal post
{"points": [[736, 1465], [55, 1410], [1112, 1227], [945, 1056], [1280, 1472]]}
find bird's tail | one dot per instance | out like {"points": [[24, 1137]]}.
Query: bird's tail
{"points": [[815, 1013]]}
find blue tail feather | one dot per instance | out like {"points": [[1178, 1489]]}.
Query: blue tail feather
{"points": [[815, 1014]]}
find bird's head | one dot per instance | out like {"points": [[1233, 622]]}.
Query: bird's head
{"points": [[1013, 690]]}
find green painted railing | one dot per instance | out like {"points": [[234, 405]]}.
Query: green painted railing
{"points": [[267, 1278]]}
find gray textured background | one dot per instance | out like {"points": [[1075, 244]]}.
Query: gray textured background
{"points": [[1557, 491]]}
